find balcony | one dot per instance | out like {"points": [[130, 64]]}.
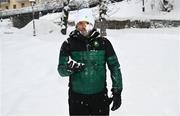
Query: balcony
{"points": [[22, 0], [4, 2]]}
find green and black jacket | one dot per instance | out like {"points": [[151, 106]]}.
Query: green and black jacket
{"points": [[95, 52]]}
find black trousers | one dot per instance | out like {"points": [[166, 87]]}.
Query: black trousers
{"points": [[96, 104]]}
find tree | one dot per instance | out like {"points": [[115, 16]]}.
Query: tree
{"points": [[102, 16], [64, 17], [167, 5]]}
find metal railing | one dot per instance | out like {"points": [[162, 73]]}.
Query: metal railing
{"points": [[50, 6], [13, 12], [1, 1]]}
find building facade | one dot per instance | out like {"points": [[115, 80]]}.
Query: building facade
{"points": [[15, 4]]}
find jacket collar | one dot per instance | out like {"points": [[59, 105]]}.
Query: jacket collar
{"points": [[77, 35]]}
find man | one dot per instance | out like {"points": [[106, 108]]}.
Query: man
{"points": [[83, 58]]}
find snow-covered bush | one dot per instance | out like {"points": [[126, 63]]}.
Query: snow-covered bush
{"points": [[167, 5]]}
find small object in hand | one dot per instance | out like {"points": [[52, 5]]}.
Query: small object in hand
{"points": [[74, 66]]}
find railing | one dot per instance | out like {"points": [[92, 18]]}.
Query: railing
{"points": [[22, 0], [50, 6], [1, 1], [37, 8]]}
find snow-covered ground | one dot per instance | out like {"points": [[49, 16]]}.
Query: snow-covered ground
{"points": [[149, 58], [31, 85]]}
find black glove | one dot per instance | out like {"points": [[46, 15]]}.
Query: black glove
{"points": [[73, 66], [116, 99]]}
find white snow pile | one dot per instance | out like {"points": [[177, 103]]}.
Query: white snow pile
{"points": [[6, 27], [133, 10], [42, 27], [55, 17]]}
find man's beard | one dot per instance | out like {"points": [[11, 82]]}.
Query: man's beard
{"points": [[85, 33]]}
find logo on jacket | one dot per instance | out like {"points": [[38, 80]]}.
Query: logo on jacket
{"points": [[96, 44]]}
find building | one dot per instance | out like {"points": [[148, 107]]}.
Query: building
{"points": [[15, 4]]}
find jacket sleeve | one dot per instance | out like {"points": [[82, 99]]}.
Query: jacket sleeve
{"points": [[63, 60], [113, 65]]}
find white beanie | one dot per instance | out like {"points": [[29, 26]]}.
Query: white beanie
{"points": [[84, 15]]}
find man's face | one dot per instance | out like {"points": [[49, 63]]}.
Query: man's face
{"points": [[84, 27], [81, 26]]}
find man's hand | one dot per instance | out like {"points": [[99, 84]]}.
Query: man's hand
{"points": [[116, 99], [74, 66]]}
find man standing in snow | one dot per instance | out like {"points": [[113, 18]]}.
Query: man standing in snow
{"points": [[83, 57]]}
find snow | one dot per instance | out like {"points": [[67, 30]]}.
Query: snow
{"points": [[149, 67], [43, 27], [131, 10], [31, 85]]}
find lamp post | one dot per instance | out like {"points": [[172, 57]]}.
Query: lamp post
{"points": [[102, 17], [32, 4], [143, 7]]}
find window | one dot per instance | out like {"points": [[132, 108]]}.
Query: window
{"points": [[14, 6], [22, 5], [4, 1]]}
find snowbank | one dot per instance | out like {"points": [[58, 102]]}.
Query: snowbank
{"points": [[42, 27], [55, 17], [133, 10], [6, 27]]}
